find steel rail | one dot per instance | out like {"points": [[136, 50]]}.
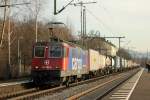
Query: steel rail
{"points": [[77, 96], [39, 93]]}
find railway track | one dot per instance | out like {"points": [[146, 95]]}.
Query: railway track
{"points": [[116, 86], [124, 91], [37, 93], [105, 88], [7, 88]]}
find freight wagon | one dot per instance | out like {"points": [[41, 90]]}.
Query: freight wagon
{"points": [[97, 62]]}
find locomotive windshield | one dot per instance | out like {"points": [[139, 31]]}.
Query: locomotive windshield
{"points": [[39, 51], [55, 51]]}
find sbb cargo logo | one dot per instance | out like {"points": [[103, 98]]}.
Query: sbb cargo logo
{"points": [[46, 62], [76, 63]]}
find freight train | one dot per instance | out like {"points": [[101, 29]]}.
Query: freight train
{"points": [[63, 62]]}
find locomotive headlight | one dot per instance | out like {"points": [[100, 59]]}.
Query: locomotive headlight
{"points": [[36, 67], [57, 67], [47, 67]]}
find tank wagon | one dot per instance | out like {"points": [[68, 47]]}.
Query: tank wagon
{"points": [[63, 62]]}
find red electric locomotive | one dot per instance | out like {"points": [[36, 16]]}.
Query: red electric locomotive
{"points": [[56, 62], [49, 59]]}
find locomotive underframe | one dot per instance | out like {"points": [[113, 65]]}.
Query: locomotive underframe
{"points": [[57, 76]]}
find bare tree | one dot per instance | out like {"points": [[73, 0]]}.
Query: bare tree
{"points": [[124, 53], [35, 8], [4, 23]]}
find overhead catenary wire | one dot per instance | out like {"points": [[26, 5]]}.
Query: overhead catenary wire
{"points": [[64, 7], [106, 10], [100, 22], [83, 17]]}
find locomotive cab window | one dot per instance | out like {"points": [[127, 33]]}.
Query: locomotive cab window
{"points": [[55, 52], [39, 51]]}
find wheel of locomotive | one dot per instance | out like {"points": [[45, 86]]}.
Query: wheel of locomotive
{"points": [[85, 76], [74, 79], [67, 82], [61, 83]]}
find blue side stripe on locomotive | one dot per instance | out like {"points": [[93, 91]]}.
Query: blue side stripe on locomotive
{"points": [[84, 58], [70, 59], [79, 57]]}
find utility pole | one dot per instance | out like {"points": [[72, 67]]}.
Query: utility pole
{"points": [[4, 24], [84, 21], [119, 38], [83, 13], [19, 57], [83, 17], [147, 56], [9, 52], [8, 10], [36, 29], [119, 41], [7, 14]]}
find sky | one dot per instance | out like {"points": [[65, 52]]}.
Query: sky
{"points": [[129, 18]]}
